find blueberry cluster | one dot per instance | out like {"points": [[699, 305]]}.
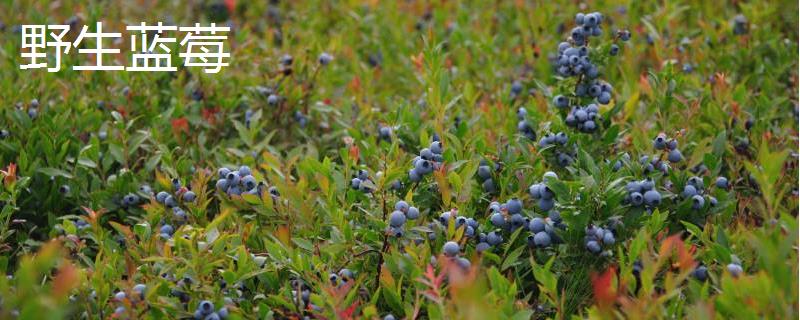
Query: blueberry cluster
{"points": [[541, 192], [558, 142], [470, 225], [451, 250], [120, 297], [429, 159], [597, 237], [362, 181], [652, 164], [661, 142], [341, 278], [584, 118], [523, 126], [397, 219], [171, 201], [573, 60], [205, 311], [543, 230], [642, 192], [512, 220], [301, 118], [241, 181], [694, 190], [485, 176]]}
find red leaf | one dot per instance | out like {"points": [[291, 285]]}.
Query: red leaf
{"points": [[604, 293]]}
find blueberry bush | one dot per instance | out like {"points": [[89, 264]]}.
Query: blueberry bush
{"points": [[409, 160]]}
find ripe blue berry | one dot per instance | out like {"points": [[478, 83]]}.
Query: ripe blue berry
{"points": [[652, 198], [189, 196], [536, 225], [397, 219], [593, 246], [514, 206], [735, 269], [674, 156], [451, 248], [325, 58], [698, 202], [541, 239], [722, 183]]}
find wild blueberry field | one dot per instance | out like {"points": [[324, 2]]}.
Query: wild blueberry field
{"points": [[406, 159]]}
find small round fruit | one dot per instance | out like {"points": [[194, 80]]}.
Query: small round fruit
{"points": [[451, 248], [397, 219]]}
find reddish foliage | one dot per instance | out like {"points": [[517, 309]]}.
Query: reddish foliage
{"points": [[180, 124], [604, 293]]}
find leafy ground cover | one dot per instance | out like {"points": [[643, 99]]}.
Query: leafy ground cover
{"points": [[409, 160]]}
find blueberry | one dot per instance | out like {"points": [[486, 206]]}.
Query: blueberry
{"points": [[660, 142], [389, 317], [423, 166], [652, 198], [542, 239], [689, 191], [120, 296], [700, 273], [722, 183], [536, 225], [355, 183], [223, 312], [401, 206], [561, 101], [636, 198], [608, 238], [414, 176], [546, 204], [593, 246], [672, 144], [674, 156], [712, 201], [735, 269], [604, 98], [325, 58], [189, 196], [436, 147], [614, 50], [64, 189], [498, 220], [222, 185], [579, 18], [493, 238], [426, 154], [484, 172], [130, 199], [535, 190], [223, 172], [286, 60], [481, 247], [233, 178], [451, 249], [170, 202], [514, 206], [139, 288], [385, 133], [698, 202], [166, 229], [488, 186], [397, 219]]}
